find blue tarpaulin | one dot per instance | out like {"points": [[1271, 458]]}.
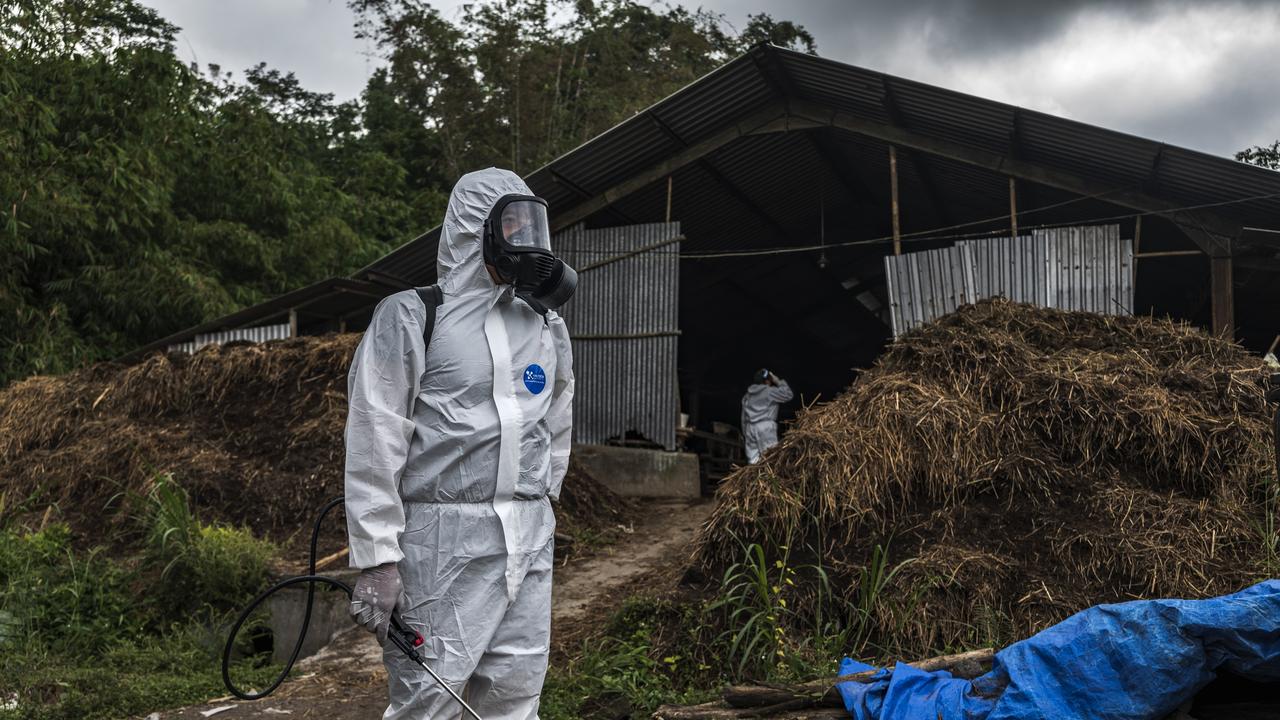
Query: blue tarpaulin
{"points": [[1129, 661]]}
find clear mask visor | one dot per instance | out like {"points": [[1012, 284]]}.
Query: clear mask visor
{"points": [[524, 225]]}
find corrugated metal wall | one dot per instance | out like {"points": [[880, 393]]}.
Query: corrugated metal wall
{"points": [[1009, 267], [928, 284], [254, 334], [625, 325], [1088, 268], [1073, 268]]}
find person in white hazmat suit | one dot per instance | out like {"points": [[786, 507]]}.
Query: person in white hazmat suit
{"points": [[760, 413], [455, 451]]}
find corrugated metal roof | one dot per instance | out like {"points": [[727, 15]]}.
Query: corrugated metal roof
{"points": [[742, 87], [328, 299], [782, 175]]}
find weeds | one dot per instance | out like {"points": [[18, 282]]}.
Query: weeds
{"points": [[85, 634], [58, 600], [129, 679], [210, 568], [871, 581], [623, 673], [1268, 529], [769, 634], [172, 528], [772, 620], [752, 600]]}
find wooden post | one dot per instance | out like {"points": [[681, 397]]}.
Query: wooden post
{"points": [[893, 191], [668, 198], [1013, 206], [293, 323], [1223, 296], [342, 325], [1137, 243]]}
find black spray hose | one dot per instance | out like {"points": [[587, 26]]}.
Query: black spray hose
{"points": [[399, 634], [311, 579]]}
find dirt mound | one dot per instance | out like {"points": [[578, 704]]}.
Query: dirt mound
{"points": [[253, 432], [588, 506], [1019, 464]]}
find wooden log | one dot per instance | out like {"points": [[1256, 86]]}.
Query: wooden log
{"points": [[967, 665], [694, 712], [1168, 253], [718, 711], [822, 693], [328, 559], [745, 696]]}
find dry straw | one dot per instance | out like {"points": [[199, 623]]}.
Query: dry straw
{"points": [[1027, 463], [254, 432]]}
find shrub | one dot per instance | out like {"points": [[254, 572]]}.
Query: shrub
{"points": [[53, 598], [211, 568]]}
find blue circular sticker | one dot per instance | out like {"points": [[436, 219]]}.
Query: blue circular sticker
{"points": [[535, 378]]}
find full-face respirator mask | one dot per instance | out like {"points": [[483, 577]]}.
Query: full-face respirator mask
{"points": [[517, 243]]}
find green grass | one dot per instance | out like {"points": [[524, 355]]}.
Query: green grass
{"points": [[756, 628], [67, 601], [786, 621], [86, 634], [131, 677], [203, 569], [1268, 529], [624, 672]]}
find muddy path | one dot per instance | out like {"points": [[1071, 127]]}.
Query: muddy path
{"points": [[345, 681]]}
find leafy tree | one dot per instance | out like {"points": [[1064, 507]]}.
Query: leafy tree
{"points": [[764, 29], [1267, 157], [509, 85], [141, 195]]}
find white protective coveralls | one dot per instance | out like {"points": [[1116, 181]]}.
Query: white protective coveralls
{"points": [[760, 416], [454, 453]]}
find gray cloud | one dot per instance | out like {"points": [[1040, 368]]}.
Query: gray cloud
{"points": [[313, 38], [1235, 112], [963, 27], [1198, 74]]}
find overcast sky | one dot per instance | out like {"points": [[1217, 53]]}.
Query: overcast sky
{"points": [[1204, 75]]}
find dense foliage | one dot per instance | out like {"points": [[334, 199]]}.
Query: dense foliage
{"points": [[1265, 156], [109, 633], [141, 195]]}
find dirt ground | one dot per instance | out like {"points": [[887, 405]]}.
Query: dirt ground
{"points": [[345, 681]]}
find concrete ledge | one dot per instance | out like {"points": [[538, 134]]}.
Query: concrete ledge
{"points": [[635, 472], [328, 616]]}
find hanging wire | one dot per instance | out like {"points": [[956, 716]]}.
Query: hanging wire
{"points": [[927, 235]]}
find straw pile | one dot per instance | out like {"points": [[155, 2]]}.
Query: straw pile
{"points": [[254, 432], [1019, 464]]}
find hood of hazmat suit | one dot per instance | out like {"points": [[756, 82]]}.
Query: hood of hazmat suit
{"points": [[454, 453], [761, 402]]}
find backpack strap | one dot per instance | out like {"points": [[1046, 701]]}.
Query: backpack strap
{"points": [[432, 297], [531, 302]]}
